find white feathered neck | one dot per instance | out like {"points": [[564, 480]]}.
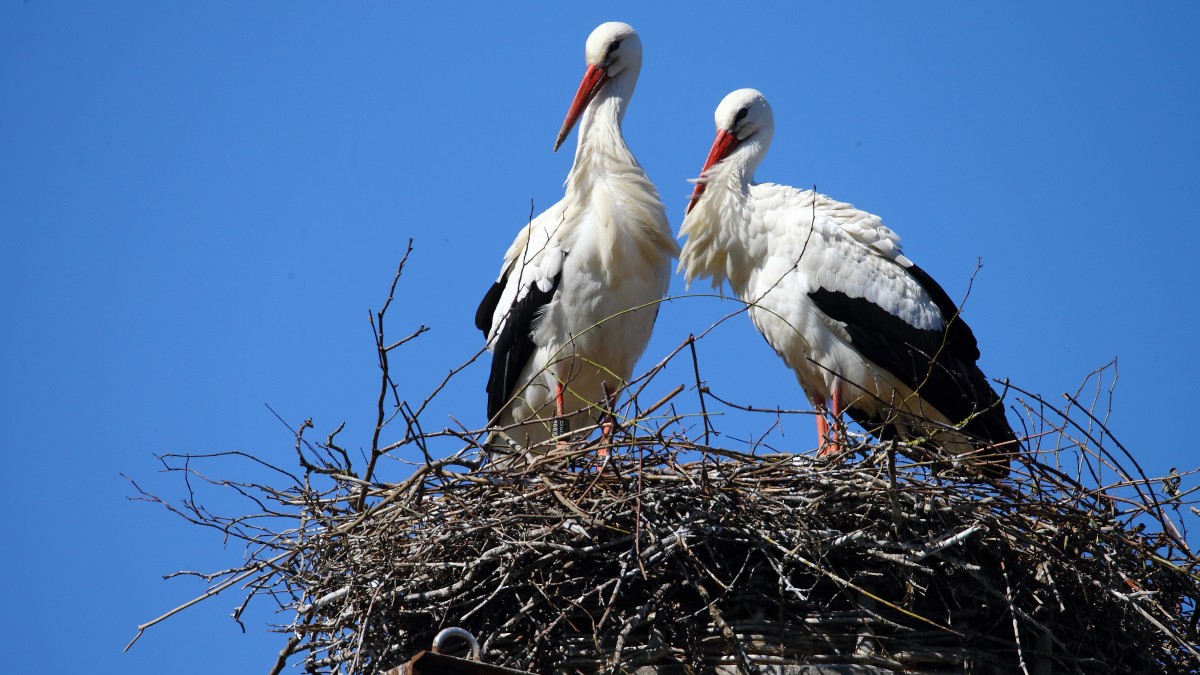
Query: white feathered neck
{"points": [[609, 189], [716, 245]]}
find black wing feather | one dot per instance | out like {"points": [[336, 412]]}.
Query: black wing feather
{"points": [[487, 306], [938, 364], [514, 345], [959, 337]]}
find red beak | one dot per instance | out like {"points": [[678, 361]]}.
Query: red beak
{"points": [[593, 79], [721, 148]]}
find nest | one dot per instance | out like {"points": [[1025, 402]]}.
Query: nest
{"points": [[748, 561], [674, 553]]}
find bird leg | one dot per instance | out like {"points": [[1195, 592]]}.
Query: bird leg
{"points": [[822, 430], [818, 404], [829, 443], [607, 420], [561, 425], [839, 429]]}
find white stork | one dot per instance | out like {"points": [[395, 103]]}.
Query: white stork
{"points": [[828, 287], [579, 288]]}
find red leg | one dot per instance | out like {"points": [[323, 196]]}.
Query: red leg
{"points": [[831, 435], [609, 420], [823, 439], [837, 409], [822, 432], [605, 438], [560, 421]]}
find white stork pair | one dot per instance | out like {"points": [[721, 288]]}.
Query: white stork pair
{"points": [[866, 331]]}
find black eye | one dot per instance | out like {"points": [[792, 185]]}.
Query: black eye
{"points": [[613, 47], [741, 114]]}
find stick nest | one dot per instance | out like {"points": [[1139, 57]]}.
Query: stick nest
{"points": [[740, 560]]}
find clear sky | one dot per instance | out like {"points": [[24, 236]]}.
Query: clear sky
{"points": [[199, 203]]}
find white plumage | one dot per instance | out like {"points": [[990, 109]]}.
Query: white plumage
{"points": [[829, 288], [579, 289]]}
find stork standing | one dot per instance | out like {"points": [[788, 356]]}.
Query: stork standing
{"points": [[579, 289], [827, 285]]}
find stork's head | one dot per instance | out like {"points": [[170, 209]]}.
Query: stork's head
{"points": [[744, 119], [612, 49]]}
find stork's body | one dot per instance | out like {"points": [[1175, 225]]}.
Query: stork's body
{"points": [[579, 288], [829, 288]]}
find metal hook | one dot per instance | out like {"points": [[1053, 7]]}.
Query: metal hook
{"points": [[440, 639]]}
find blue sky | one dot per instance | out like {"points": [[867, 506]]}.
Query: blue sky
{"points": [[200, 203]]}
